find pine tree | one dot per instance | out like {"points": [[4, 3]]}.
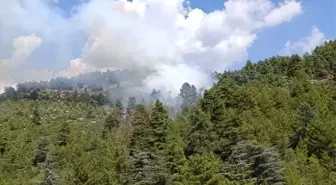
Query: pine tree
{"points": [[148, 169], [113, 120], [101, 99], [267, 167], [188, 94], [225, 130], [155, 95], [119, 105], [294, 65], [147, 144], [64, 135], [158, 124], [200, 139], [34, 95], [175, 145], [74, 96], [36, 115], [201, 169], [140, 123], [119, 108], [2, 145], [10, 92], [305, 114], [239, 163], [252, 163], [85, 96], [132, 102], [49, 177], [41, 151]]}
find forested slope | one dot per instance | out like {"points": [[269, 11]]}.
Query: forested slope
{"points": [[272, 122]]}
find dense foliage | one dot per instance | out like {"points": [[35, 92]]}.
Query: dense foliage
{"points": [[272, 122]]}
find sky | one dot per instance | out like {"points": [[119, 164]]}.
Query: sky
{"points": [[167, 41]]}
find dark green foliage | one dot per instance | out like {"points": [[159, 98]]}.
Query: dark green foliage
{"points": [[34, 95], [158, 124], [36, 115], [188, 94], [253, 163], [306, 114], [140, 122], [201, 169], [49, 177], [99, 98], [85, 96], [119, 105], [199, 140], [2, 146], [294, 65], [272, 122], [41, 151], [64, 134], [132, 102], [147, 144], [148, 169], [9, 92], [112, 120]]}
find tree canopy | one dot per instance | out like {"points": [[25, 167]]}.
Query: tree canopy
{"points": [[272, 122]]}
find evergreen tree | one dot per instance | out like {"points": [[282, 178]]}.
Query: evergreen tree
{"points": [[306, 114], [41, 151], [158, 124], [9, 92], [64, 135], [140, 122], [85, 96], [2, 147], [118, 105], [294, 65], [251, 163], [34, 95], [155, 95], [199, 140], [36, 115], [268, 167], [99, 99], [74, 96], [112, 121], [148, 169], [188, 94], [49, 177], [132, 102], [148, 163], [201, 169]]}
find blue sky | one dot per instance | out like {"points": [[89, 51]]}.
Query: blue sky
{"points": [[321, 13]]}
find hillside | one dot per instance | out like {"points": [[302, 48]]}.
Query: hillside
{"points": [[272, 122]]}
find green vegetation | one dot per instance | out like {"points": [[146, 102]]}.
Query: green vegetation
{"points": [[272, 122]]}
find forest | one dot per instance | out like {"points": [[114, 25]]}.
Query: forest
{"points": [[272, 122]]}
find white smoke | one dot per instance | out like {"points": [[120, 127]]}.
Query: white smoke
{"points": [[165, 41]]}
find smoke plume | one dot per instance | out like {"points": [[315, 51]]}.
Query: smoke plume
{"points": [[165, 42]]}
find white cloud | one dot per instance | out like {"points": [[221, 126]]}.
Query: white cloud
{"points": [[76, 68], [22, 47], [145, 35], [284, 13], [306, 44]]}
